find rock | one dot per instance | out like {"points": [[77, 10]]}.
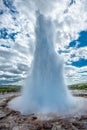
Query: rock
{"points": [[16, 128], [85, 124], [34, 118], [2, 102], [74, 128], [57, 127], [21, 127], [47, 125], [83, 117], [4, 126], [2, 114], [79, 125]]}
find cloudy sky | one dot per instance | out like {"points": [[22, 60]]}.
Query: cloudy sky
{"points": [[17, 37]]}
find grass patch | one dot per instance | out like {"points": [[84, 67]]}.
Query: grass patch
{"points": [[4, 89], [14, 88], [78, 87]]}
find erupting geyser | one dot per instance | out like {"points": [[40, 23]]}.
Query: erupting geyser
{"points": [[44, 90]]}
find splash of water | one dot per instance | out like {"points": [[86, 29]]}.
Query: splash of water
{"points": [[44, 90]]}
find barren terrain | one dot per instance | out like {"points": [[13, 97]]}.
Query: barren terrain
{"points": [[13, 120]]}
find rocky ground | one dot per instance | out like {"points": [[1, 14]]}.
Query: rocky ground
{"points": [[12, 120]]}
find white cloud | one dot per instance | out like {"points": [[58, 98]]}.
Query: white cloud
{"points": [[79, 53], [68, 20], [75, 75], [14, 65]]}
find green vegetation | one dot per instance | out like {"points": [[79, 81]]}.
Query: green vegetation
{"points": [[9, 88], [14, 88], [78, 87]]}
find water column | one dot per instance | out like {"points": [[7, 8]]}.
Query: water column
{"points": [[44, 90]]}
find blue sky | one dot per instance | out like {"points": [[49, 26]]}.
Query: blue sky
{"points": [[17, 38], [82, 42]]}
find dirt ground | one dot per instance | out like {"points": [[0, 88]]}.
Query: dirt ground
{"points": [[13, 120]]}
